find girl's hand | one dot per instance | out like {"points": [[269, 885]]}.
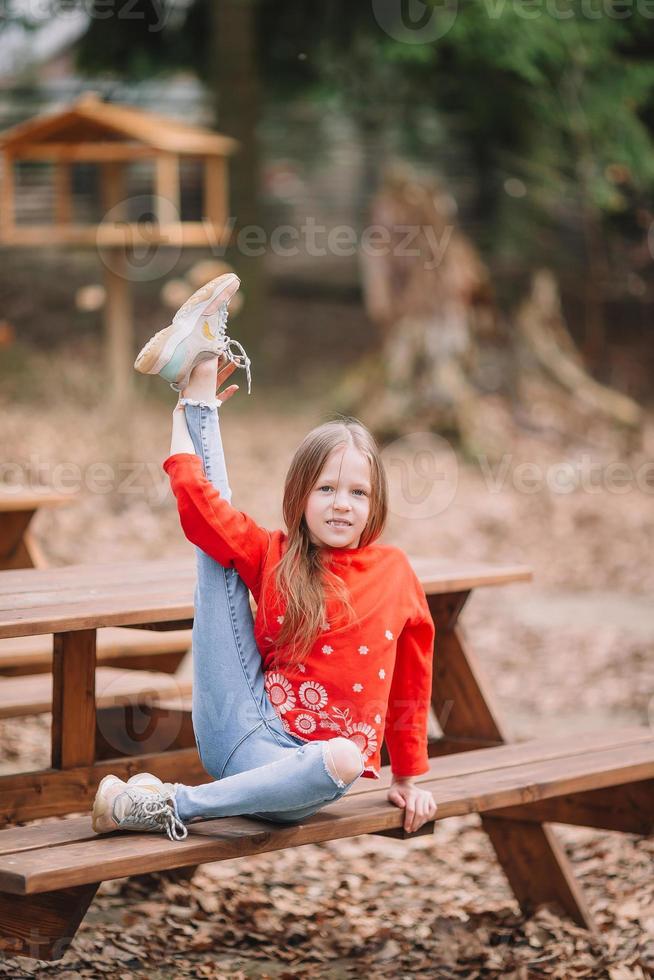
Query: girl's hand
{"points": [[223, 374], [419, 804]]}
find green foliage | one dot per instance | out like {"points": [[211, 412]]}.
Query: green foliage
{"points": [[554, 97]]}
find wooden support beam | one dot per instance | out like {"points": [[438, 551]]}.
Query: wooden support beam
{"points": [[215, 191], [167, 189], [73, 699], [537, 868], [139, 729], [13, 550], [118, 315], [42, 926], [628, 809], [55, 792], [7, 200], [62, 191]]}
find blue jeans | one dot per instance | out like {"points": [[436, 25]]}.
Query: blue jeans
{"points": [[259, 769]]}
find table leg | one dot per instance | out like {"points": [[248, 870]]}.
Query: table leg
{"points": [[44, 925], [73, 699], [14, 550], [533, 861]]}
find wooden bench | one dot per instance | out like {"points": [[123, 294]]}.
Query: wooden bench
{"points": [[116, 647], [49, 873], [32, 695], [74, 602]]}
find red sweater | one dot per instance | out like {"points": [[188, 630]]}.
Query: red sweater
{"points": [[368, 681]]}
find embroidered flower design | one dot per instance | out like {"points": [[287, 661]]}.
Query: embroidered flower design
{"points": [[313, 695], [280, 619], [302, 668], [286, 726], [327, 649], [357, 687], [305, 724], [363, 650], [388, 635], [382, 673], [364, 737], [378, 719], [280, 692]]}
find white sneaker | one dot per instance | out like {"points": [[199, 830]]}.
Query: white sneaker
{"points": [[137, 805], [194, 336]]}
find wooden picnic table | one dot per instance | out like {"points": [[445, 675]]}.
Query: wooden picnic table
{"points": [[74, 601], [18, 549]]}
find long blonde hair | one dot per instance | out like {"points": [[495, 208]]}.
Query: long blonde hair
{"points": [[302, 575]]}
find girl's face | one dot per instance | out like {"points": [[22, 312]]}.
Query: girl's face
{"points": [[338, 504]]}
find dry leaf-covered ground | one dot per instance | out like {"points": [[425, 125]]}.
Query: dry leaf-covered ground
{"points": [[570, 651]]}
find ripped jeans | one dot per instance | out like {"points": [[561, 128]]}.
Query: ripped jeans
{"points": [[259, 769]]}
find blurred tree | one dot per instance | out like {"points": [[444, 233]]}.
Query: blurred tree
{"points": [[551, 107]]}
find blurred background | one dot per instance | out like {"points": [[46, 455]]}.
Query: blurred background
{"points": [[442, 221], [442, 217]]}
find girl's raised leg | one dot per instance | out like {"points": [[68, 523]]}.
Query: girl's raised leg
{"points": [[237, 729]]}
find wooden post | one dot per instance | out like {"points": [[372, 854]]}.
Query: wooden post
{"points": [[167, 189], [215, 192], [118, 314], [62, 201], [73, 699], [7, 213]]}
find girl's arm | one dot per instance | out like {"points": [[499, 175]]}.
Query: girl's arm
{"points": [[410, 694], [180, 441], [208, 520], [407, 715]]}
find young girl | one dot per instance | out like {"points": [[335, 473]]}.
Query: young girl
{"points": [[288, 710]]}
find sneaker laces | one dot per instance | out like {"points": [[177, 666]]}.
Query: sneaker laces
{"points": [[224, 343], [157, 814]]}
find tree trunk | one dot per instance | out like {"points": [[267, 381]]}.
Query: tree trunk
{"points": [[431, 298], [428, 292]]}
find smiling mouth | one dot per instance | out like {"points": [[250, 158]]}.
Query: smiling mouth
{"points": [[339, 523]]}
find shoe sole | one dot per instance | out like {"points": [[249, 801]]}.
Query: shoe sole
{"points": [[162, 346], [99, 809]]}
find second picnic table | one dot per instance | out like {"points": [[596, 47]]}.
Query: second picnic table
{"points": [[18, 549]]}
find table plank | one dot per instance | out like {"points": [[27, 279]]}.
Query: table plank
{"points": [[34, 601], [31, 500]]}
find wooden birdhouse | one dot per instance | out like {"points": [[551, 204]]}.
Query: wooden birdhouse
{"points": [[113, 142]]}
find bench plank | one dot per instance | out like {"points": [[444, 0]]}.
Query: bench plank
{"points": [[365, 811], [32, 695], [23, 655], [77, 787]]}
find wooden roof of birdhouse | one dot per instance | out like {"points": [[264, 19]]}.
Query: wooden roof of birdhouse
{"points": [[92, 129]]}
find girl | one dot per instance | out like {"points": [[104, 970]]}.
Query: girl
{"points": [[288, 710]]}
